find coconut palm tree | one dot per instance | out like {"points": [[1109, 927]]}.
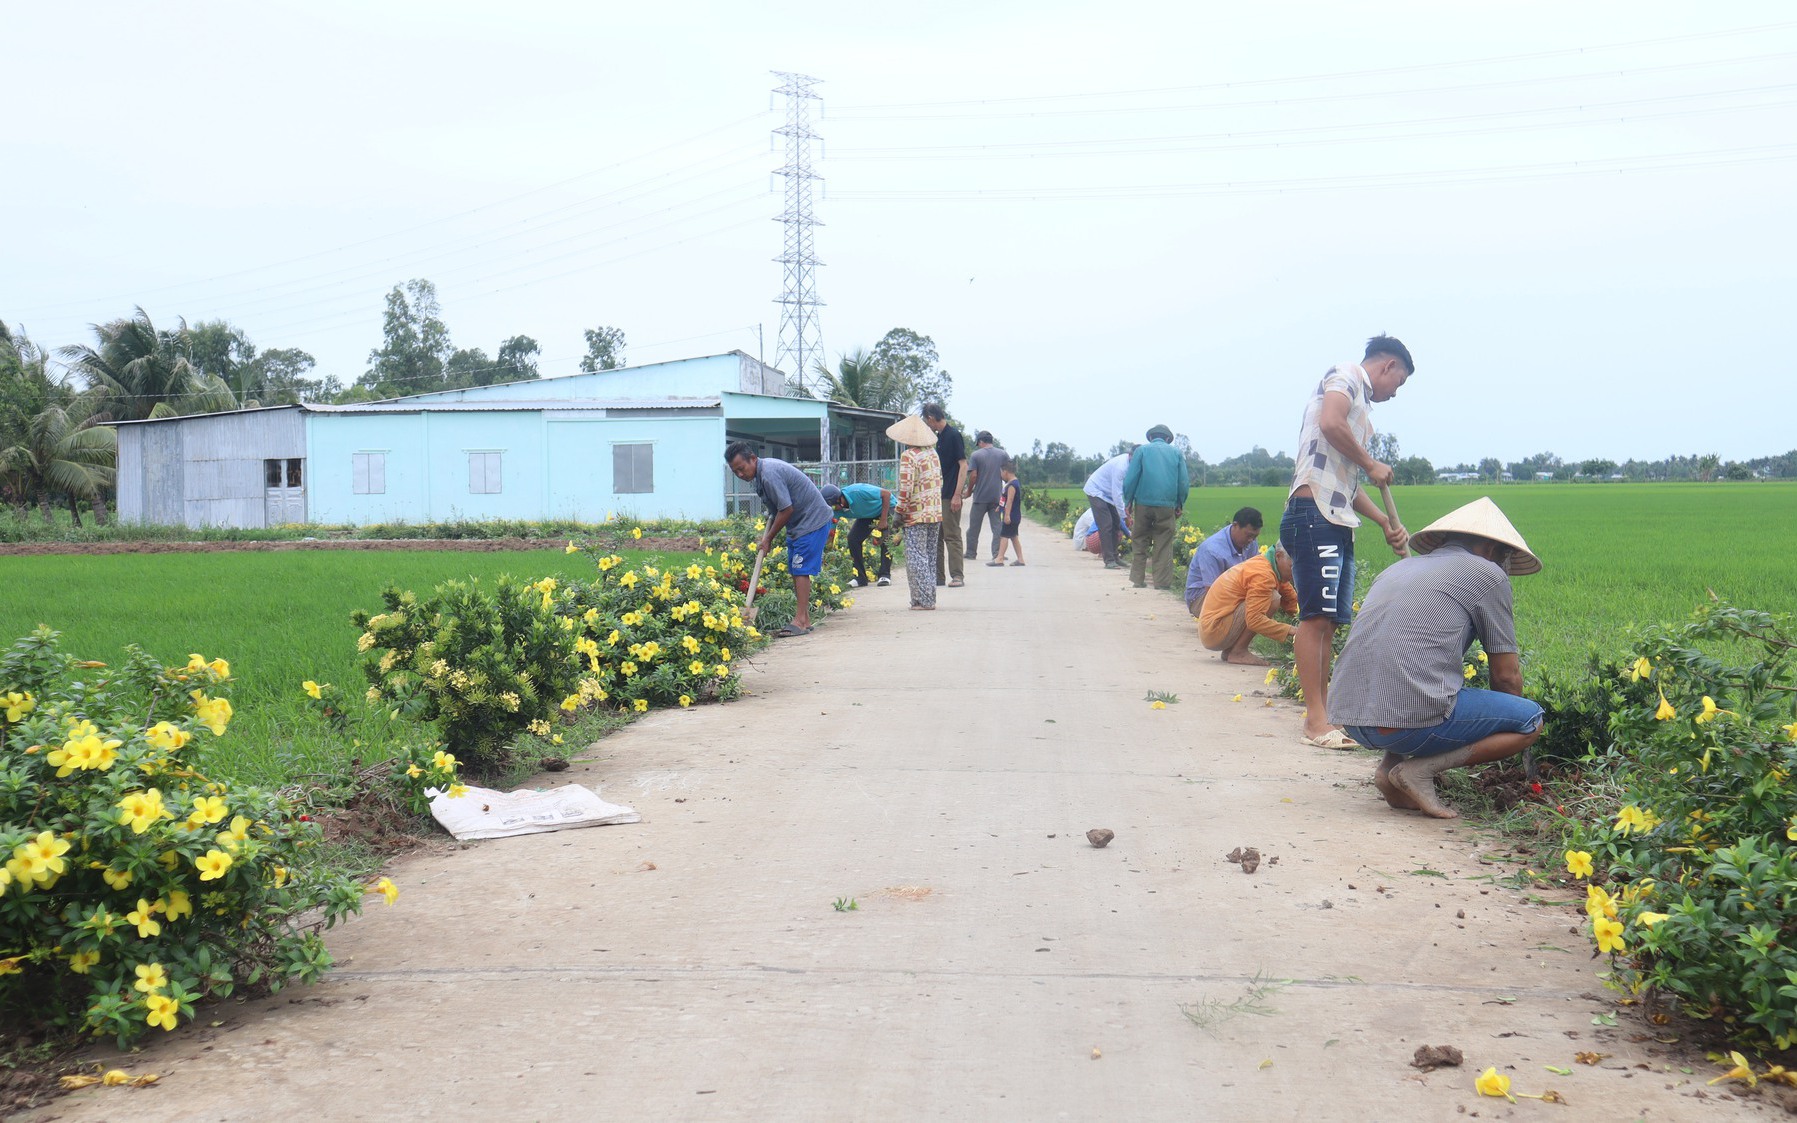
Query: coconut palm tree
{"points": [[860, 380], [142, 372], [51, 439]]}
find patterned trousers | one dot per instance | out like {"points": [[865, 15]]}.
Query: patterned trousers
{"points": [[921, 541]]}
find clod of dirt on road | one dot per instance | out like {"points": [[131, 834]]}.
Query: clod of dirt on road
{"points": [[1099, 837], [1248, 858], [1431, 1057]]}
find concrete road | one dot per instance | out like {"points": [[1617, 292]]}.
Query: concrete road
{"points": [[941, 770]]}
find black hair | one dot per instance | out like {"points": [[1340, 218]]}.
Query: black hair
{"points": [[934, 412], [1010, 465], [1248, 516], [1388, 345], [984, 437], [738, 448]]}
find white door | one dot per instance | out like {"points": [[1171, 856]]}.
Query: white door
{"points": [[286, 490]]}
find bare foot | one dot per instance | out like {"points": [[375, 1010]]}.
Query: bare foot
{"points": [[1422, 792], [1392, 793], [1245, 659]]}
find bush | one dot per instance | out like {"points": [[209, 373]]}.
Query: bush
{"points": [[482, 666], [1695, 890], [134, 886]]}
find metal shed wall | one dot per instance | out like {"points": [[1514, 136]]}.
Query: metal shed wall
{"points": [[204, 470]]}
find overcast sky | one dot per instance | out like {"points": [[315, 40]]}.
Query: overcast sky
{"points": [[1578, 216]]}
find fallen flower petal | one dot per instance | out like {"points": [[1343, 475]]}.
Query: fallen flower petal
{"points": [[1493, 1083]]}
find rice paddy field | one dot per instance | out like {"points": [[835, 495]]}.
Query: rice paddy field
{"points": [[278, 618], [1614, 555]]}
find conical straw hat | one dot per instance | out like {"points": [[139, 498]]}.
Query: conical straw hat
{"points": [[1481, 517], [911, 431]]}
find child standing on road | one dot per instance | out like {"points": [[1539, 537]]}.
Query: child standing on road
{"points": [[1010, 506]]}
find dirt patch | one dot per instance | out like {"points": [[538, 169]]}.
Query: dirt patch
{"points": [[370, 821], [39, 1061], [685, 545]]}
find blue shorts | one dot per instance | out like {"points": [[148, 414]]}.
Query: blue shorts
{"points": [[805, 554], [1322, 561], [1476, 715]]}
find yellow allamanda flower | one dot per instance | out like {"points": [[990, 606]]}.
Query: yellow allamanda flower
{"points": [[1632, 818], [17, 704], [140, 809], [213, 713], [1599, 903], [311, 689], [697, 667], [236, 836], [160, 1010], [1643, 669], [387, 889], [144, 916], [151, 978], [209, 809], [1491, 1082], [443, 762], [572, 549], [83, 961], [686, 700], [641, 705], [1157, 704], [1710, 711], [178, 905], [1608, 934], [636, 532], [1578, 863], [1665, 712], [212, 865], [167, 736], [1649, 919], [629, 579], [118, 879]]}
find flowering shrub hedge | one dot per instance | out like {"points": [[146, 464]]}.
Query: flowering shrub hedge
{"points": [[1694, 890], [486, 666], [133, 886]]}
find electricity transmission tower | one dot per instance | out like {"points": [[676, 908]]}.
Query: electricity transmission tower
{"points": [[801, 339]]}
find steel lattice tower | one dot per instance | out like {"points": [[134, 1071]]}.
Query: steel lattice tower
{"points": [[801, 338]]}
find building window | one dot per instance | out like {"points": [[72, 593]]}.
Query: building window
{"points": [[283, 473], [483, 473], [369, 470], [633, 468]]}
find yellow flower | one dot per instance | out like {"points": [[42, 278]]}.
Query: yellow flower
{"points": [[167, 737], [10, 965], [1157, 705], [1710, 710], [1578, 863], [150, 978], [1631, 818], [144, 916], [697, 666], [457, 791], [1649, 919], [636, 532], [178, 905], [1791, 730], [1493, 1083], [83, 961], [161, 1011], [1272, 676], [628, 667], [118, 879], [213, 713], [1598, 903], [1608, 934], [414, 771], [1741, 1071], [115, 1078], [220, 668], [1237, 698], [195, 662], [641, 705], [1665, 712], [1484, 658], [1643, 669], [212, 865], [210, 809], [686, 700], [18, 703], [234, 837], [443, 762], [139, 809], [572, 549], [722, 670], [387, 889], [571, 703], [280, 876], [311, 689]]}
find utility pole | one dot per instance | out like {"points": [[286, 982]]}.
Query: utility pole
{"points": [[801, 338]]}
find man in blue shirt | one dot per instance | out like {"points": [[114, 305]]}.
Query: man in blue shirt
{"points": [[871, 508], [799, 509], [1154, 496], [1230, 546]]}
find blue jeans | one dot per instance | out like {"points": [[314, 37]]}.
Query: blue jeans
{"points": [[1322, 561], [1476, 715]]}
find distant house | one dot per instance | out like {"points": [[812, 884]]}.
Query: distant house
{"points": [[647, 441]]}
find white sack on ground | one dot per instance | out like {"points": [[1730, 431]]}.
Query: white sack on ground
{"points": [[485, 813]]}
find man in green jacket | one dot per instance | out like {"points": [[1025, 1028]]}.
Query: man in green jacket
{"points": [[1154, 495]]}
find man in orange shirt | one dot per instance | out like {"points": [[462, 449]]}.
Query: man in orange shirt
{"points": [[1240, 603]]}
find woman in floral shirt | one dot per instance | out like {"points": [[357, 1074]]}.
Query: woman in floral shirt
{"points": [[919, 507]]}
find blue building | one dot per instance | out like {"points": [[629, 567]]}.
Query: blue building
{"points": [[644, 441]]}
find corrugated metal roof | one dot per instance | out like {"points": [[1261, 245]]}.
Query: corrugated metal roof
{"points": [[191, 416], [563, 405]]}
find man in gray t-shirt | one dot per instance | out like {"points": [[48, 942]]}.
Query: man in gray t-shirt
{"points": [[1400, 683], [982, 478]]}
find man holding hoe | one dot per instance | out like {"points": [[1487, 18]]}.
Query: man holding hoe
{"points": [[795, 506], [1320, 514], [1400, 685]]}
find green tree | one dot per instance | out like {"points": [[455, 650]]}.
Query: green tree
{"points": [[1384, 448], [1490, 468], [1707, 464], [517, 362], [140, 371], [860, 380], [605, 350], [50, 441], [255, 378], [913, 358], [415, 345], [1413, 470]]}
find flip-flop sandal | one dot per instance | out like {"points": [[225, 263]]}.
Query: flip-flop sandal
{"points": [[1016, 563], [789, 632], [1334, 739], [991, 565]]}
